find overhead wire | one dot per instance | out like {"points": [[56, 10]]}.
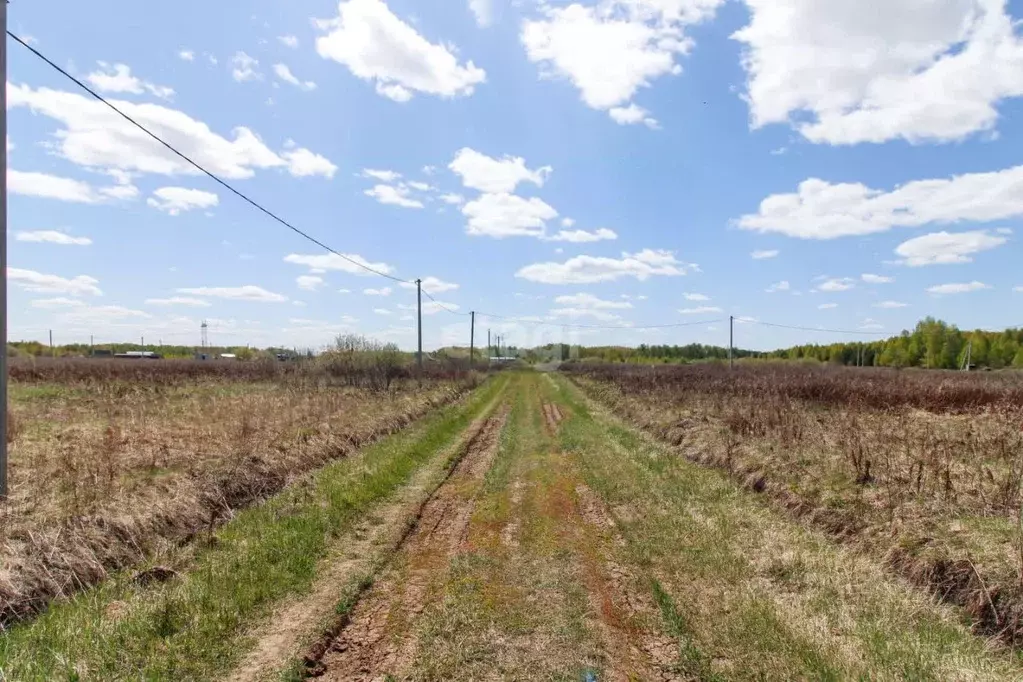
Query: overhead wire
{"points": [[594, 326], [201, 168], [811, 329]]}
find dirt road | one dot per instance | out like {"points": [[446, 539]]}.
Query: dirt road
{"points": [[565, 545]]}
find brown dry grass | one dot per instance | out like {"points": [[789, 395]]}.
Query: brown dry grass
{"points": [[106, 473], [936, 492]]}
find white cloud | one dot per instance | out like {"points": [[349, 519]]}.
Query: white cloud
{"points": [[601, 315], [303, 163], [612, 50], [591, 269], [288, 41], [309, 282], [821, 210], [495, 176], [101, 316], [385, 291], [696, 297], [395, 196], [48, 303], [890, 305], [507, 215], [432, 285], [179, 300], [1018, 290], [944, 248], [869, 324], [186, 55], [700, 310], [344, 291], [331, 261], [117, 78], [421, 186], [959, 288], [377, 46], [582, 236], [30, 280], [95, 137], [44, 186], [876, 71], [827, 306], [779, 286], [243, 68], [876, 279], [52, 237], [567, 222], [837, 284], [243, 293], [483, 10], [382, 311], [284, 73], [589, 301], [381, 175], [174, 200], [632, 115], [764, 255], [453, 199]]}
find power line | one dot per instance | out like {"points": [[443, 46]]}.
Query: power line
{"points": [[441, 305], [810, 329], [196, 165], [596, 326]]}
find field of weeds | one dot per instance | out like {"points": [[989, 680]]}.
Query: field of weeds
{"points": [[112, 463], [921, 469]]}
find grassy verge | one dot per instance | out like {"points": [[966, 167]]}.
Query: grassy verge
{"points": [[750, 594], [192, 627]]}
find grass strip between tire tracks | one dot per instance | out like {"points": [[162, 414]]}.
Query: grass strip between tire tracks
{"points": [[192, 627]]}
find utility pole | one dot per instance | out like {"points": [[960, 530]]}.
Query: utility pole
{"points": [[969, 351], [490, 348], [419, 300], [731, 341], [472, 338], [53, 353], [3, 253], [91, 352]]}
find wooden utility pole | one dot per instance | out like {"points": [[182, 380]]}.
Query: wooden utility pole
{"points": [[472, 338], [3, 254], [419, 302], [53, 353]]}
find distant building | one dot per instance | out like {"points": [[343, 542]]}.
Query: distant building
{"points": [[228, 356], [139, 355]]}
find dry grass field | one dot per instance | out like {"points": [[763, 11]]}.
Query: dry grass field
{"points": [[922, 469], [112, 462]]}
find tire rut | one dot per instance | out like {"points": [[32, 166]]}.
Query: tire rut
{"points": [[378, 639]]}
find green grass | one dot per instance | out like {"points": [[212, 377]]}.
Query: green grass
{"points": [[193, 628]]}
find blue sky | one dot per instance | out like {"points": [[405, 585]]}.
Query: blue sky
{"points": [[614, 163]]}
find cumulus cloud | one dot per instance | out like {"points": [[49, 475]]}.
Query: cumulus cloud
{"points": [[30, 280], [944, 248], [186, 55], [379, 47], [779, 286], [174, 200], [591, 269], [385, 291], [381, 175], [483, 10], [890, 305], [309, 282], [496, 176], [243, 68], [52, 237], [700, 310], [453, 199], [243, 293], [303, 163], [764, 255], [848, 72], [117, 78], [958, 288], [827, 306], [322, 262], [582, 236], [876, 279], [821, 210], [284, 73], [288, 41], [45, 186], [179, 301], [696, 297], [393, 195], [95, 137], [507, 215], [589, 301], [611, 50], [837, 284]]}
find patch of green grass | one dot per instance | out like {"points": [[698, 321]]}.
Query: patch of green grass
{"points": [[193, 628], [692, 661]]}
